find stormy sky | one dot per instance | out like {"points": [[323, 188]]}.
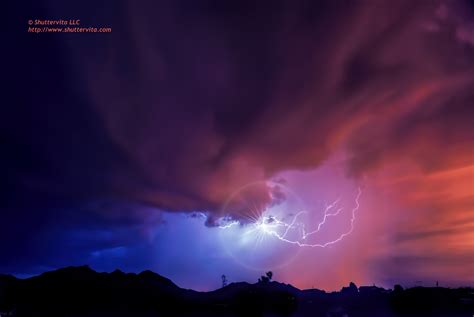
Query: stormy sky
{"points": [[127, 149]]}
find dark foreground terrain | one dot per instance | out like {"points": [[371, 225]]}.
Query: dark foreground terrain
{"points": [[80, 291]]}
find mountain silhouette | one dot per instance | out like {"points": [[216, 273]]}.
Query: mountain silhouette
{"points": [[81, 291]]}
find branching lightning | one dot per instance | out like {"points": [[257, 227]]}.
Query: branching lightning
{"points": [[269, 225]]}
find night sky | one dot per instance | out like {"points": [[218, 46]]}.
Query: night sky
{"points": [[203, 138]]}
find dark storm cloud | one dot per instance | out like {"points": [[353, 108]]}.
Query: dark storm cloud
{"points": [[72, 234], [186, 102], [215, 96]]}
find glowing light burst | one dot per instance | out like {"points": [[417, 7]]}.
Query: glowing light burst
{"points": [[293, 232]]}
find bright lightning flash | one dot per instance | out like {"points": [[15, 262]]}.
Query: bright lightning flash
{"points": [[294, 232]]}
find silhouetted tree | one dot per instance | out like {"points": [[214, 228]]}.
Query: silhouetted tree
{"points": [[350, 290], [266, 278], [269, 275], [398, 288]]}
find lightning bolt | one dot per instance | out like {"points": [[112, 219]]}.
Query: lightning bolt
{"points": [[271, 225]]}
